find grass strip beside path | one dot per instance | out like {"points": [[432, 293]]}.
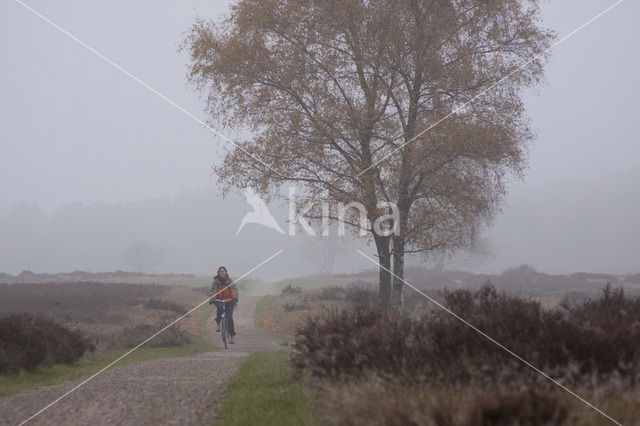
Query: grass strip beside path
{"points": [[264, 392]]}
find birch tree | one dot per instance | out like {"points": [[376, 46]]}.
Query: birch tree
{"points": [[412, 102]]}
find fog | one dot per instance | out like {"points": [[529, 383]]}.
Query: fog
{"points": [[98, 173]]}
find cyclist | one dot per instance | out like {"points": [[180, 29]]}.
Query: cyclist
{"points": [[224, 295]]}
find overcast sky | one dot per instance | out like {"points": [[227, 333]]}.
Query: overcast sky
{"points": [[74, 128]]}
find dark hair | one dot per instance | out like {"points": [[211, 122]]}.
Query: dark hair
{"points": [[225, 270]]}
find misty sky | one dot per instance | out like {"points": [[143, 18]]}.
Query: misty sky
{"points": [[75, 129]]}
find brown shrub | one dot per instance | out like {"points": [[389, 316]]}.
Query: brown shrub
{"points": [[27, 341], [436, 347], [89, 302], [380, 402], [132, 336], [359, 293], [292, 306], [329, 293], [291, 289], [204, 290], [165, 305], [524, 408], [614, 320]]}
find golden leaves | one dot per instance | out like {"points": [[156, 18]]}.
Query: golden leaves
{"points": [[325, 89]]}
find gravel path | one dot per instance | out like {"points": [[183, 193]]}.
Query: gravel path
{"points": [[170, 391]]}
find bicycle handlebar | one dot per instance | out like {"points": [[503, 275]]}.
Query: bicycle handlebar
{"points": [[224, 300]]}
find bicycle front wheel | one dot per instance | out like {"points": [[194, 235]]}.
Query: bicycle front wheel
{"points": [[224, 331]]}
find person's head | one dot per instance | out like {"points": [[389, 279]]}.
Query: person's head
{"points": [[222, 272]]}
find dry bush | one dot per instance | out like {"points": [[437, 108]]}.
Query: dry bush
{"points": [[379, 402], [27, 341], [88, 302], [165, 305], [201, 290], [523, 408], [329, 293], [132, 336], [614, 319], [292, 306], [291, 289], [360, 293], [99, 310], [436, 347]]}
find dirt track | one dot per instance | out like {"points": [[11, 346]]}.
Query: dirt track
{"points": [[172, 391]]}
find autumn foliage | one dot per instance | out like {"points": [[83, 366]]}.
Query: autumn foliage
{"points": [[414, 103]]}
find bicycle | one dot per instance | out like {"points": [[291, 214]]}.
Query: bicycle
{"points": [[224, 324]]}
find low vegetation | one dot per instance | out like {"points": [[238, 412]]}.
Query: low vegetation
{"points": [[109, 315], [264, 392], [165, 305], [175, 335], [29, 277], [29, 341], [363, 366], [51, 332], [291, 289], [435, 347], [379, 402]]}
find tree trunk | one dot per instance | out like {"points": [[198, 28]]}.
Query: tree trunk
{"points": [[384, 258], [397, 293]]}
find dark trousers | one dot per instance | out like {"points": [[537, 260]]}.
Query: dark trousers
{"points": [[227, 308]]}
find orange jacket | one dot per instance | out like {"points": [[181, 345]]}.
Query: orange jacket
{"points": [[219, 292]]}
